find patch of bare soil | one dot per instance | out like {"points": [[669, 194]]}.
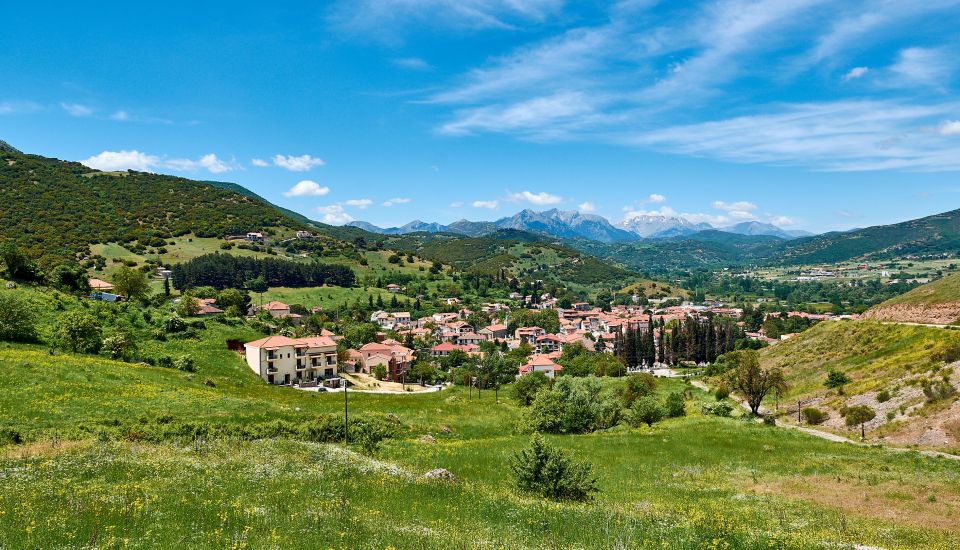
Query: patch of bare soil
{"points": [[934, 314], [930, 506]]}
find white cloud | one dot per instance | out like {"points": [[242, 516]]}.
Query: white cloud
{"points": [[538, 199], [111, 161], [209, 162], [302, 163], [121, 116], [780, 221], [18, 107], [949, 128], [307, 188], [740, 210], [856, 72], [587, 207], [396, 200], [359, 203], [142, 162], [414, 63], [490, 205], [656, 198], [629, 212], [456, 204], [259, 162], [77, 109], [334, 214]]}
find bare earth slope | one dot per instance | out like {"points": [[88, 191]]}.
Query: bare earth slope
{"points": [[933, 303]]}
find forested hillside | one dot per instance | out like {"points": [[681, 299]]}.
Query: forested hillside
{"points": [[55, 209]]}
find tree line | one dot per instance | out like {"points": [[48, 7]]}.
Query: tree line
{"points": [[226, 271]]}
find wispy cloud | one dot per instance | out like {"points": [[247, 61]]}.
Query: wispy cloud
{"points": [[949, 128], [489, 205], [19, 107], [359, 203], [586, 207], [855, 72], [143, 162], [389, 19], [77, 109], [653, 80], [539, 199], [395, 201], [413, 63]]}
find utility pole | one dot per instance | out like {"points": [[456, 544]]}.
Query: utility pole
{"points": [[346, 425]]}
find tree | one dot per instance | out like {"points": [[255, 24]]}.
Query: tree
{"points": [[836, 380], [233, 297], [550, 472], [79, 332], [69, 277], [119, 345], [16, 263], [753, 381], [423, 371], [258, 285], [131, 283], [527, 386], [675, 405], [859, 414], [188, 306], [637, 386], [17, 318], [379, 372], [646, 410]]}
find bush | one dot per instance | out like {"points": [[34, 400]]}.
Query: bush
{"points": [[79, 332], [883, 396], [675, 405], [548, 471], [836, 379], [174, 324], [646, 410], [720, 408], [10, 436], [184, 363], [638, 385], [17, 319], [527, 386], [722, 392], [574, 405], [937, 391], [813, 415]]}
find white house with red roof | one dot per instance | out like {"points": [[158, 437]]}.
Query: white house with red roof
{"points": [[541, 363], [283, 360]]}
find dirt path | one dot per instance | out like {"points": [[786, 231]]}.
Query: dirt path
{"points": [[830, 436]]}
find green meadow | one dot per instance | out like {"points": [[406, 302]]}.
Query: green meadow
{"points": [[692, 482]]}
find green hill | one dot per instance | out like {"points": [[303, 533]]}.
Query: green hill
{"points": [[935, 234], [900, 360], [937, 302], [56, 209]]}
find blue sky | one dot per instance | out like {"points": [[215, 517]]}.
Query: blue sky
{"points": [[809, 114]]}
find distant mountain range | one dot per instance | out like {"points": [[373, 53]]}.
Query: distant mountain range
{"points": [[577, 225]]}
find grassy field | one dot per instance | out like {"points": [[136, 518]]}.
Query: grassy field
{"points": [[693, 482], [870, 353], [186, 248]]}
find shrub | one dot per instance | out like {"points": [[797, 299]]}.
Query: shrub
{"points": [[10, 436], [937, 391], [119, 345], [174, 324], [17, 319], [638, 385], [675, 405], [184, 363], [813, 415], [646, 410], [883, 396], [548, 471], [720, 408], [722, 392], [79, 332], [527, 386], [836, 379]]}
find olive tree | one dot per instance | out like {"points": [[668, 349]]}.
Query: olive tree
{"points": [[753, 381]]}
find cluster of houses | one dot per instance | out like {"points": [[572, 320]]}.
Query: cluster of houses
{"points": [[281, 360]]}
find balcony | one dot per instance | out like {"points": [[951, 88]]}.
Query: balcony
{"points": [[272, 370]]}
